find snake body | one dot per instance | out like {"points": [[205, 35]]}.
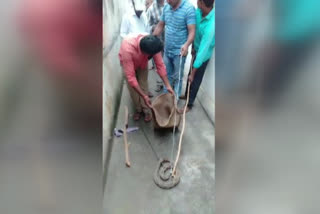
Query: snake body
{"points": [[162, 176]]}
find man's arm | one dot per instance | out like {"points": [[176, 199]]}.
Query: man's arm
{"points": [[208, 39], [130, 74], [143, 95], [167, 84], [191, 34], [161, 70], [159, 29]]}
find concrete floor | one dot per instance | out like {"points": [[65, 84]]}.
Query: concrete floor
{"points": [[132, 190]]}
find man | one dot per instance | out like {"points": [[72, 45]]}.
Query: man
{"points": [[203, 47], [179, 18], [134, 55], [135, 21], [153, 14]]}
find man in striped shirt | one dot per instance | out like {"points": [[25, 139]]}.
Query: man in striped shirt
{"points": [[178, 18], [154, 13]]}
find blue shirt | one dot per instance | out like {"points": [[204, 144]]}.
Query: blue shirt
{"points": [[204, 41], [176, 26]]}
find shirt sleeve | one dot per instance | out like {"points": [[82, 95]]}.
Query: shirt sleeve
{"points": [[128, 68], [161, 68], [124, 30], [207, 41], [191, 16]]}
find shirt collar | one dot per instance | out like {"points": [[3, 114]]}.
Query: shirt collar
{"points": [[209, 16], [181, 4]]}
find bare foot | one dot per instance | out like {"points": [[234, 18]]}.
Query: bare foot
{"points": [[147, 117], [137, 116]]}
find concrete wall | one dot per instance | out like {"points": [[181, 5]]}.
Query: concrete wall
{"points": [[113, 11], [206, 94]]}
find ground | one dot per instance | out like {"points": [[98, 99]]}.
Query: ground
{"points": [[132, 190]]}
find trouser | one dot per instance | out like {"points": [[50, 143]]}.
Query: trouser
{"points": [[142, 78], [172, 65], [195, 85]]}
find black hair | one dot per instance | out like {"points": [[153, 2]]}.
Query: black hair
{"points": [[208, 3], [151, 45]]}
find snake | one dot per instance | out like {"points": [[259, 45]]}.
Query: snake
{"points": [[162, 175]]}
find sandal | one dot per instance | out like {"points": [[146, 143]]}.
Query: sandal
{"points": [[137, 116], [147, 117]]}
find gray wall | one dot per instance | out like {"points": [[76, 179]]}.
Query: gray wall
{"points": [[113, 11], [206, 94]]}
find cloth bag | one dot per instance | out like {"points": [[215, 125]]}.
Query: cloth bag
{"points": [[164, 112]]}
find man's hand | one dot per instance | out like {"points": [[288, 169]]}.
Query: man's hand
{"points": [[167, 84], [159, 28], [193, 52], [184, 50], [147, 101], [191, 76], [170, 90]]}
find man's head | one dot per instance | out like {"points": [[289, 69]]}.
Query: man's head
{"points": [[173, 3], [138, 6], [161, 2], [151, 45], [202, 4]]}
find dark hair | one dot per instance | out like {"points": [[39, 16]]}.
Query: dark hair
{"points": [[151, 45], [208, 3]]}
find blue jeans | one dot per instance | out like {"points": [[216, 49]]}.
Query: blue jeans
{"points": [[172, 64]]}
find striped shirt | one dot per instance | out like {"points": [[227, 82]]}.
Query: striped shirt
{"points": [[154, 13], [176, 26]]}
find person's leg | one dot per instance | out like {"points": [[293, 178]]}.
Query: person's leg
{"points": [[195, 85], [186, 91], [136, 101], [143, 82], [178, 74], [169, 66]]}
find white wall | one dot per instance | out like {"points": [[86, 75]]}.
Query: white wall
{"points": [[113, 11], [206, 94]]}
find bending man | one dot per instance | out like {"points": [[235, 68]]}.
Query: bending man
{"points": [[134, 55]]}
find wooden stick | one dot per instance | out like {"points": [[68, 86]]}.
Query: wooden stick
{"points": [[181, 135], [184, 122], [126, 146]]}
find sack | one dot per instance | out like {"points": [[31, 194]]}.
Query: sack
{"points": [[164, 112]]}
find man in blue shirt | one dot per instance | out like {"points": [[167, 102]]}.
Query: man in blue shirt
{"points": [[178, 18], [203, 46]]}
